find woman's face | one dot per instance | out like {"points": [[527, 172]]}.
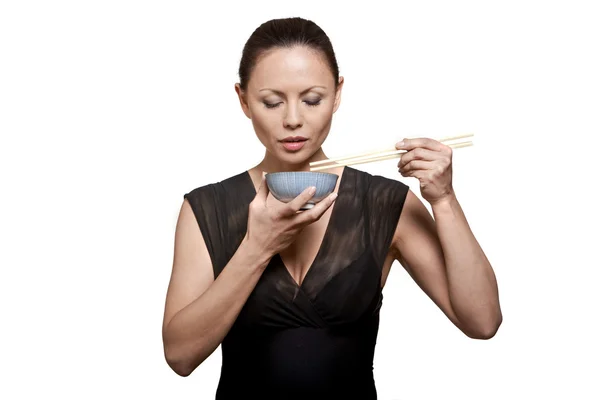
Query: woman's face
{"points": [[291, 99]]}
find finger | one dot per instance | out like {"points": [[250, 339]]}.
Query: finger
{"points": [[415, 165], [420, 174], [419, 154], [318, 210], [263, 190], [293, 206], [425, 143]]}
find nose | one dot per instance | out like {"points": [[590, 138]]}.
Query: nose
{"points": [[292, 118]]}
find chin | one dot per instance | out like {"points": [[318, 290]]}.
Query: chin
{"points": [[297, 158]]}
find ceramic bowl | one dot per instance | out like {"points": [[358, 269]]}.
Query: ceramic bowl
{"points": [[286, 186]]}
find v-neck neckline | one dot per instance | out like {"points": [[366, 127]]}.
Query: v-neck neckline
{"points": [[342, 179]]}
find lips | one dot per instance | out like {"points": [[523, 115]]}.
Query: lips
{"points": [[294, 139], [294, 143]]}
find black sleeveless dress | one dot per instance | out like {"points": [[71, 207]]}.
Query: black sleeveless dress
{"points": [[315, 340]]}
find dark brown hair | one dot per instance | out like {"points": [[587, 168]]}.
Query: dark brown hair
{"points": [[285, 33]]}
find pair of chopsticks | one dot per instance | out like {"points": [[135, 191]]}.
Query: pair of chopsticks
{"points": [[454, 142]]}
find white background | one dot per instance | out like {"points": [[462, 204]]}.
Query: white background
{"points": [[106, 113]]}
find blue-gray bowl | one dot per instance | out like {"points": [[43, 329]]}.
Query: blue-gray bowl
{"points": [[286, 186]]}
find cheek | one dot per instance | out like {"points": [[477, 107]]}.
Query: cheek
{"points": [[265, 123], [320, 118]]}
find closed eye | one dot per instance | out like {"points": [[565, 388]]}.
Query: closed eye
{"points": [[308, 103], [271, 105], [313, 103]]}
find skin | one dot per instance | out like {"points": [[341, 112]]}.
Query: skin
{"points": [[440, 252], [292, 93]]}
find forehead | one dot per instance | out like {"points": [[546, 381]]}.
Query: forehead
{"points": [[291, 69]]}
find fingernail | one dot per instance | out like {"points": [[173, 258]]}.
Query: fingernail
{"points": [[400, 143], [334, 196], [312, 190]]}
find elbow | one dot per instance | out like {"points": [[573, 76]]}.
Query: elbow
{"points": [[486, 331], [181, 369], [486, 334], [179, 365]]}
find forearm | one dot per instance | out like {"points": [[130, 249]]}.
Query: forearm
{"points": [[472, 283], [198, 329]]}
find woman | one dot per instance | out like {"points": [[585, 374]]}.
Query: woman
{"points": [[294, 297]]}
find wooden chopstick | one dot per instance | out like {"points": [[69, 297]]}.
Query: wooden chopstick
{"points": [[372, 157], [381, 152]]}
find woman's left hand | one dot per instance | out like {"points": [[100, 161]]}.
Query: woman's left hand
{"points": [[430, 162]]}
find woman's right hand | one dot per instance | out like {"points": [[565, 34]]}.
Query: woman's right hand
{"points": [[274, 227]]}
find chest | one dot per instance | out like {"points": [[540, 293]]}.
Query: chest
{"points": [[331, 274], [327, 277], [300, 256]]}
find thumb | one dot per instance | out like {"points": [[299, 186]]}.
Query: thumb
{"points": [[263, 189]]}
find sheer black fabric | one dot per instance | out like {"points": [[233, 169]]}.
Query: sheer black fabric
{"points": [[317, 339]]}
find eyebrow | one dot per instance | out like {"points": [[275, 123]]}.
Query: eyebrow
{"points": [[304, 91]]}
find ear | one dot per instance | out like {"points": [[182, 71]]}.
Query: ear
{"points": [[338, 94], [242, 99]]}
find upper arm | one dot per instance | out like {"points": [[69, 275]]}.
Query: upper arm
{"points": [[192, 271], [417, 248]]}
